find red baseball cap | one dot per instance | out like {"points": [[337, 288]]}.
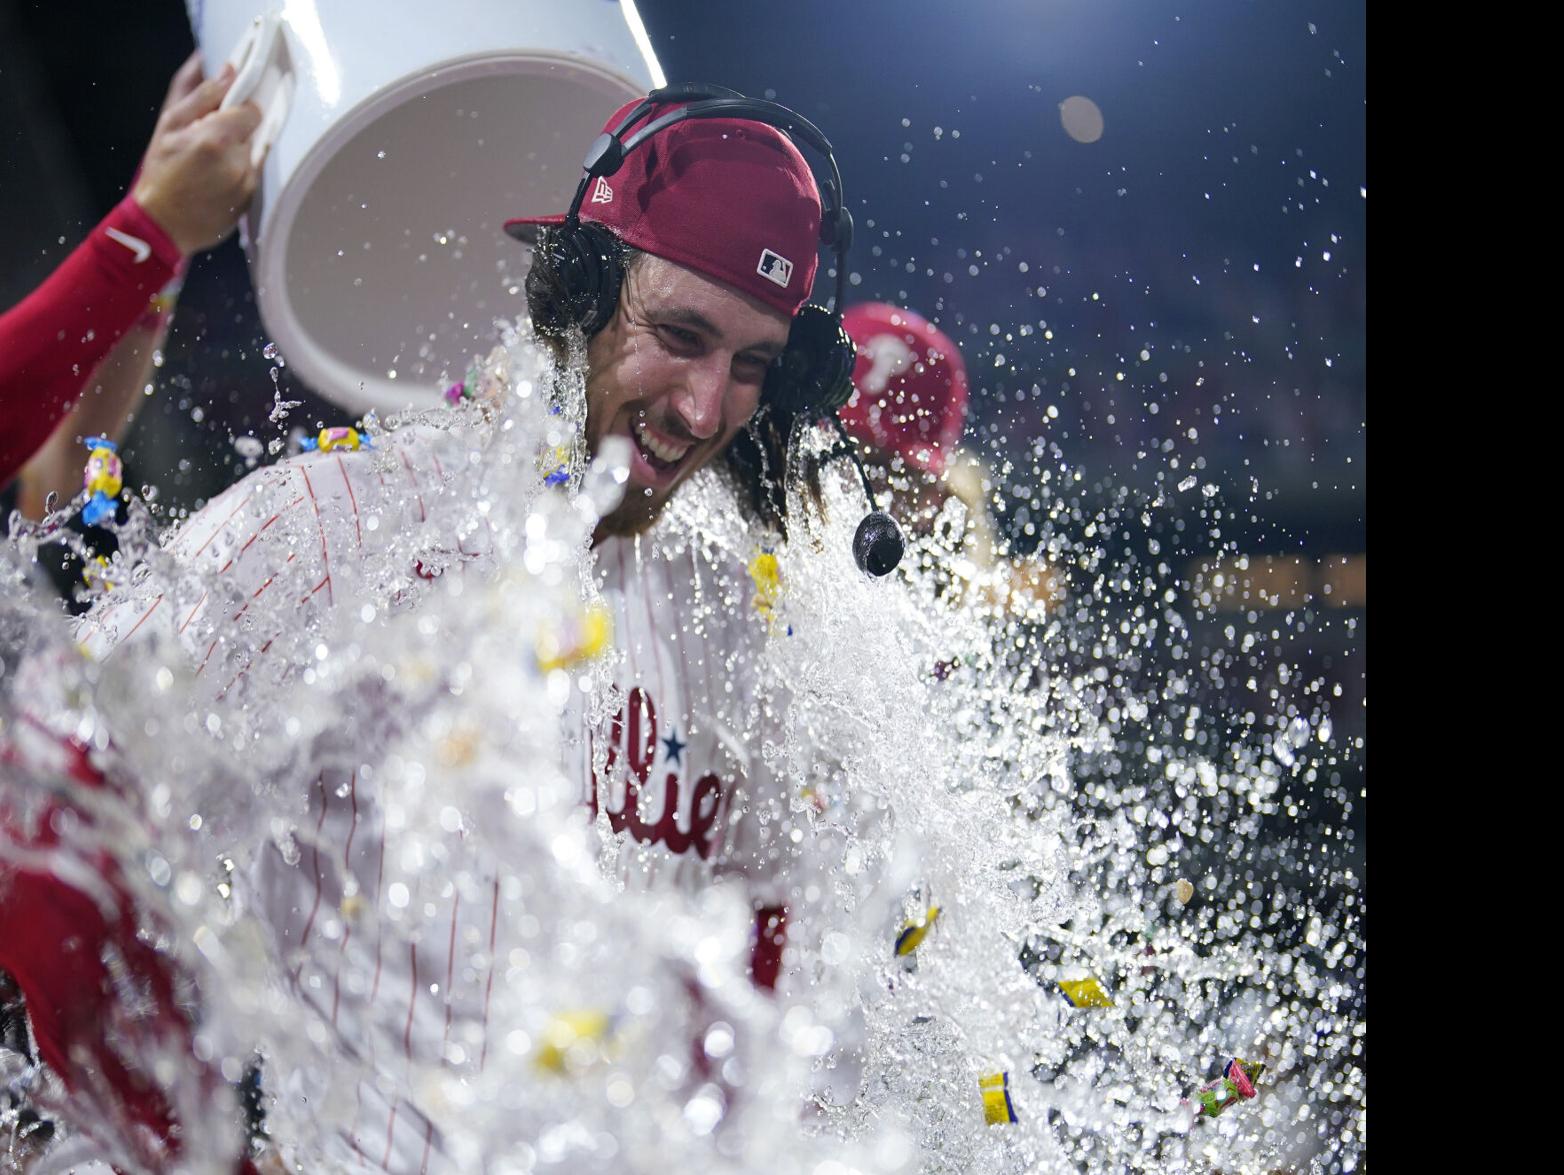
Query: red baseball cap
{"points": [[730, 199], [909, 385]]}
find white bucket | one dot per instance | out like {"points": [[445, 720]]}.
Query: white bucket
{"points": [[403, 134]]}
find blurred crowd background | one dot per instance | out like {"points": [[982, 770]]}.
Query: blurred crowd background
{"points": [[1144, 223]]}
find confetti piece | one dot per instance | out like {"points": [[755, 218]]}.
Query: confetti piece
{"points": [[337, 438], [565, 1031], [914, 932], [767, 574], [1184, 891], [103, 478], [997, 1107], [1236, 1084], [96, 574], [561, 645], [555, 464], [1085, 993], [460, 747]]}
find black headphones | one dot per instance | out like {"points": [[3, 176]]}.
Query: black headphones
{"points": [[812, 378]]}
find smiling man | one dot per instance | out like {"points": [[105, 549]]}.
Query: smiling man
{"points": [[687, 273], [699, 252]]}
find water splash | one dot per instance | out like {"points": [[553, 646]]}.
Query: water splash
{"points": [[280, 407], [944, 738]]}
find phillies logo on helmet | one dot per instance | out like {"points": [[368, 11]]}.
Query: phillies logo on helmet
{"points": [[775, 267], [889, 356]]}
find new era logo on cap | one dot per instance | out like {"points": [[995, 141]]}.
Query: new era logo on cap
{"points": [[601, 192], [775, 267]]}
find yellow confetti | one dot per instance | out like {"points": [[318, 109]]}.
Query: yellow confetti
{"points": [[914, 932], [554, 463], [1085, 993], [460, 747], [104, 473], [997, 1108], [767, 574], [95, 574], [566, 1031], [329, 439], [1184, 891], [559, 646]]}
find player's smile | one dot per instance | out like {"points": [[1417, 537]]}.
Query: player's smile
{"points": [[656, 456]]}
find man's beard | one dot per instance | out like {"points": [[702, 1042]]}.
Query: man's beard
{"points": [[630, 518]]}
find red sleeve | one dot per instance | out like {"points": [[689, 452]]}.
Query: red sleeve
{"points": [[51, 341], [75, 960]]}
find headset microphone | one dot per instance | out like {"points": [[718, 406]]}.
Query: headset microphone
{"points": [[877, 543]]}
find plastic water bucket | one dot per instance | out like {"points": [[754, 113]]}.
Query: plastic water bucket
{"points": [[402, 134]]}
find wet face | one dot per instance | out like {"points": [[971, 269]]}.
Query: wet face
{"points": [[678, 372]]}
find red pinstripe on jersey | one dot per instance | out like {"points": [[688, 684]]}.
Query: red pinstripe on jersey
{"points": [[325, 554], [347, 482]]}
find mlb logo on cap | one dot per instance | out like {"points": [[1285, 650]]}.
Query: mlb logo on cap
{"points": [[775, 267]]}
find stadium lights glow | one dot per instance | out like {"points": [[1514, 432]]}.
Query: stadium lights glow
{"points": [[643, 43]]}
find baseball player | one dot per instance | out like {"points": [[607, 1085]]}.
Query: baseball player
{"points": [[908, 410], [909, 406], [711, 226]]}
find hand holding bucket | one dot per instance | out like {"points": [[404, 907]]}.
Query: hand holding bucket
{"points": [[201, 167], [263, 76]]}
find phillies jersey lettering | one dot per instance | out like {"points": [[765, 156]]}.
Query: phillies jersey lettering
{"points": [[677, 769], [638, 811]]}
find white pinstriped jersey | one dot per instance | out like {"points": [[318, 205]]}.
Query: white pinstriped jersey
{"points": [[682, 757]]}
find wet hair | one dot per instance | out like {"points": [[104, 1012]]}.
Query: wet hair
{"points": [[758, 458]]}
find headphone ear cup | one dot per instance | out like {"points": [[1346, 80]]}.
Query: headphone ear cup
{"points": [[836, 231], [582, 271], [813, 377], [603, 266]]}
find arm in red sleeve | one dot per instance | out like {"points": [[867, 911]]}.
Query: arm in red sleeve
{"points": [[51, 341]]}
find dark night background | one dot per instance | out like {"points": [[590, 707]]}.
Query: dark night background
{"points": [[1184, 296], [1231, 165]]}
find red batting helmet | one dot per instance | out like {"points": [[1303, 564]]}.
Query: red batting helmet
{"points": [[910, 384]]}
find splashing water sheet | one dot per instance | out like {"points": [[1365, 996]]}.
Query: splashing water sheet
{"points": [[439, 882]]}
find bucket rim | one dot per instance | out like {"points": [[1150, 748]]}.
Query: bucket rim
{"points": [[356, 389]]}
